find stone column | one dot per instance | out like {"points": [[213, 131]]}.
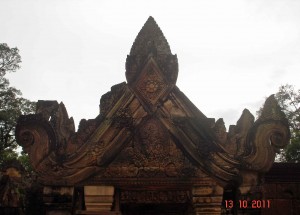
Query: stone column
{"points": [[58, 200], [98, 198], [207, 199]]}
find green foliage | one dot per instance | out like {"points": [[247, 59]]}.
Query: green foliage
{"points": [[9, 59], [24, 160], [292, 152], [12, 104], [8, 155], [289, 100]]}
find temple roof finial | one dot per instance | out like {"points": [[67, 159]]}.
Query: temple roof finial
{"points": [[150, 38], [151, 43]]}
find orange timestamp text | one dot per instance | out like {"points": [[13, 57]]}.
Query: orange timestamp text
{"points": [[248, 204]]}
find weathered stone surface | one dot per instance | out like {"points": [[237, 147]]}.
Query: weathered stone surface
{"points": [[149, 134]]}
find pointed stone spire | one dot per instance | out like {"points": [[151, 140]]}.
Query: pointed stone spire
{"points": [[150, 40], [151, 43]]}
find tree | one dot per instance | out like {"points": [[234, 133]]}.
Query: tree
{"points": [[289, 100], [9, 59], [12, 104]]}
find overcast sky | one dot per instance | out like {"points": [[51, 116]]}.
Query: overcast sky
{"points": [[231, 54]]}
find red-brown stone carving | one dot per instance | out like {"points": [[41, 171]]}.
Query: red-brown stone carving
{"points": [[151, 84], [149, 133], [153, 196]]}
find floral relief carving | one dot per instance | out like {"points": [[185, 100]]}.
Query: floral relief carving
{"points": [[151, 84], [151, 154]]}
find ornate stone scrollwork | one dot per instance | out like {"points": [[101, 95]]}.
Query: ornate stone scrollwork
{"points": [[269, 134], [148, 129], [37, 137], [26, 138], [255, 144]]}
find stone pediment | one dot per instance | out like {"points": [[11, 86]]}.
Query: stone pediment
{"points": [[148, 128], [151, 154]]}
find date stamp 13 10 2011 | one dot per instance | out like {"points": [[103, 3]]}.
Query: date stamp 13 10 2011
{"points": [[248, 204]]}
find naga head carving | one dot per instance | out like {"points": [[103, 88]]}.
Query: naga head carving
{"points": [[269, 134]]}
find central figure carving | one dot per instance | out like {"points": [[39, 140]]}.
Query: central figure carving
{"points": [[154, 140]]}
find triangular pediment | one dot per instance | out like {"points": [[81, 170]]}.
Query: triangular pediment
{"points": [[151, 153], [174, 141], [148, 128]]}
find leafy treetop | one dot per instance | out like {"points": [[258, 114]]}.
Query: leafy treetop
{"points": [[289, 100], [12, 104]]}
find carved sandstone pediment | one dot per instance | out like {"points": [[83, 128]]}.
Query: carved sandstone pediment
{"points": [[151, 153], [147, 128]]}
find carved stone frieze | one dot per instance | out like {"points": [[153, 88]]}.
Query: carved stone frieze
{"points": [[155, 196], [151, 154]]}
